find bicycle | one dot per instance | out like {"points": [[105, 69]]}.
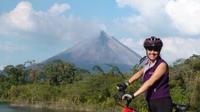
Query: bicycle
{"points": [[127, 108], [180, 107], [118, 96]]}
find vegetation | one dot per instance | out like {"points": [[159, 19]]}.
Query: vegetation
{"points": [[63, 84]]}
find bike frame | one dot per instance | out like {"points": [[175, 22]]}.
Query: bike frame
{"points": [[128, 109], [176, 107]]}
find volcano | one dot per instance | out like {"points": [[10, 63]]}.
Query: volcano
{"points": [[101, 50]]}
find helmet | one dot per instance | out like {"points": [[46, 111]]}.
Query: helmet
{"points": [[153, 43]]}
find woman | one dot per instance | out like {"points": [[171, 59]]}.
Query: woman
{"points": [[155, 76]]}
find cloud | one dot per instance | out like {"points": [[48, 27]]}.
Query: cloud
{"points": [[179, 47], [54, 26], [134, 25], [176, 21], [59, 8], [151, 18], [162, 17], [58, 28], [20, 17], [174, 47], [144, 7], [185, 15], [2, 67], [136, 46]]}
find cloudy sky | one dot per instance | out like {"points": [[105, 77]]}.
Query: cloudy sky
{"points": [[39, 29]]}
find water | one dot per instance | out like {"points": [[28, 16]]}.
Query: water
{"points": [[8, 108]]}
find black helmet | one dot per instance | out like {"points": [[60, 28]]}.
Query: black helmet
{"points": [[153, 43]]}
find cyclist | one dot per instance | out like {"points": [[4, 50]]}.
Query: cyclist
{"points": [[155, 76]]}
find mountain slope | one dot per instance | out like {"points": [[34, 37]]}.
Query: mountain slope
{"points": [[100, 50]]}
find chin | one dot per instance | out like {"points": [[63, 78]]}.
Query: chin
{"points": [[153, 58]]}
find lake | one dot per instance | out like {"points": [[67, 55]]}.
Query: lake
{"points": [[8, 108]]}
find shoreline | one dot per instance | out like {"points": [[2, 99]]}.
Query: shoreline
{"points": [[57, 106], [67, 108], [51, 106]]}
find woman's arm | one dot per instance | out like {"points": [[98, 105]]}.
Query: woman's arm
{"points": [[160, 70], [136, 76], [124, 85]]}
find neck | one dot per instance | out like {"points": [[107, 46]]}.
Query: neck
{"points": [[153, 61]]}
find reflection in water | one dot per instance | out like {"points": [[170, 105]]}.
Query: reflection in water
{"points": [[7, 108]]}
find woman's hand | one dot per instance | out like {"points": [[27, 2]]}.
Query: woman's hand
{"points": [[128, 97]]}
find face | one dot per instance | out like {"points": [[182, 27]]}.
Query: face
{"points": [[152, 54]]}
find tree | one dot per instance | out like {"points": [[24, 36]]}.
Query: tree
{"points": [[20, 72], [68, 73], [195, 97], [33, 70], [97, 68], [33, 75], [60, 72], [115, 70], [10, 72]]}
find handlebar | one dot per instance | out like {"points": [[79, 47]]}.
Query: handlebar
{"points": [[121, 92], [180, 107]]}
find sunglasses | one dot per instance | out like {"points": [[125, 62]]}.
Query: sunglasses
{"points": [[153, 49]]}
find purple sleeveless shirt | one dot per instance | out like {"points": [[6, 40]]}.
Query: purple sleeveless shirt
{"points": [[160, 88]]}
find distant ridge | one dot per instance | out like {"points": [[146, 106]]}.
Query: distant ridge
{"points": [[100, 50]]}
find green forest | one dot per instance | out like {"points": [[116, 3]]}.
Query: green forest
{"points": [[62, 85]]}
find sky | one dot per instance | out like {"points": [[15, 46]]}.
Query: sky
{"points": [[39, 29]]}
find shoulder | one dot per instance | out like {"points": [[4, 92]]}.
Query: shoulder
{"points": [[162, 67], [163, 62]]}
